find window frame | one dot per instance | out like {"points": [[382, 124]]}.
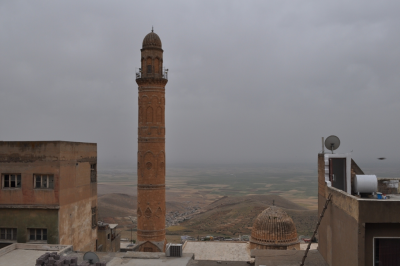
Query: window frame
{"points": [[47, 179], [43, 234], [13, 232], [17, 179], [373, 246], [93, 172]]}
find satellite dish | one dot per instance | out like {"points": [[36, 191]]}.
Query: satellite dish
{"points": [[332, 143], [91, 257]]}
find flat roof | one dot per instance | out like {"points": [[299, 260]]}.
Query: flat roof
{"points": [[218, 250], [272, 257], [44, 141], [20, 254]]}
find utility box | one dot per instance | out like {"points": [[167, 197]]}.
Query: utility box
{"points": [[173, 250]]}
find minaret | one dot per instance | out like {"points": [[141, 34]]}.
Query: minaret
{"points": [[151, 80]]}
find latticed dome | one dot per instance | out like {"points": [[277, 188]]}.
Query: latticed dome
{"points": [[151, 40], [273, 227]]}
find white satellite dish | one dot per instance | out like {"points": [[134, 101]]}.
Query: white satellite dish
{"points": [[91, 257], [332, 143]]}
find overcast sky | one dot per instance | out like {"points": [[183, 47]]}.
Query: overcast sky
{"points": [[249, 81]]}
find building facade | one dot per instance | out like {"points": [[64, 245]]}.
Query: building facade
{"points": [[108, 239], [48, 193], [151, 80], [355, 230]]}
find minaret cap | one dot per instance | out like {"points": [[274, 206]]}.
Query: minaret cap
{"points": [[151, 40]]}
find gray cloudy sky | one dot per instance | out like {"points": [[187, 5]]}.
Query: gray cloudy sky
{"points": [[249, 81]]}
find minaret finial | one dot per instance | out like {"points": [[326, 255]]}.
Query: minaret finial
{"points": [[152, 28]]}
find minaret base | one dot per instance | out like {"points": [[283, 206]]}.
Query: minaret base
{"points": [[150, 246]]}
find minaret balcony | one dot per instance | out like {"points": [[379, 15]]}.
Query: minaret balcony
{"points": [[141, 74]]}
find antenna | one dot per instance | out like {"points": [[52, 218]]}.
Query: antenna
{"points": [[91, 257], [332, 143]]}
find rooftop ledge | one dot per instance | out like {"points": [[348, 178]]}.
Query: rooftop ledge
{"points": [[393, 197]]}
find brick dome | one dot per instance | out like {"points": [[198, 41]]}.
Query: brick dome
{"points": [[273, 227], [151, 40]]}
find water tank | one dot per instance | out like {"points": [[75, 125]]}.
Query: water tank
{"points": [[365, 184]]}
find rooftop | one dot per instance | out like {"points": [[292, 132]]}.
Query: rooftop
{"points": [[20, 254], [218, 251], [270, 257]]}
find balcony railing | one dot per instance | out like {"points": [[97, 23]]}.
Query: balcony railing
{"points": [[141, 74]]}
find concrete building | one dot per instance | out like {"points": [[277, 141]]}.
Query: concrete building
{"points": [[356, 229], [108, 240], [151, 147], [274, 229], [48, 193]]}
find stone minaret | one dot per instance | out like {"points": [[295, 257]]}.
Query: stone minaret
{"points": [[151, 79]]}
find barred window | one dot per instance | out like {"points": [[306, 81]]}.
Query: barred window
{"points": [[8, 233], [386, 251], [11, 180], [37, 234], [93, 173], [43, 181], [94, 217]]}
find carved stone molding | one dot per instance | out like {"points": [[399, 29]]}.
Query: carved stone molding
{"points": [[151, 140], [156, 81], [148, 212]]}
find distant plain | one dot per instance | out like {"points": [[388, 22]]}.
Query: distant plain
{"points": [[240, 187]]}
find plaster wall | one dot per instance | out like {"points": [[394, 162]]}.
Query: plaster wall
{"points": [[22, 219], [74, 195], [109, 244], [29, 158], [78, 196], [338, 232]]}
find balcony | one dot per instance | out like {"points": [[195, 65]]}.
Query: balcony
{"points": [[141, 74]]}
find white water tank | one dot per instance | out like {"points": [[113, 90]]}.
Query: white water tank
{"points": [[365, 184]]}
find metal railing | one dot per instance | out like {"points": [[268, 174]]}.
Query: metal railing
{"points": [[141, 74]]}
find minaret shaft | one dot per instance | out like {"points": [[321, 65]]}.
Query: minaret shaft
{"points": [[151, 148]]}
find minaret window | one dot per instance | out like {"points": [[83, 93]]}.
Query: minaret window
{"points": [[156, 65], [149, 66]]}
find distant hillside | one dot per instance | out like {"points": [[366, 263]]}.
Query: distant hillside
{"points": [[226, 216], [257, 200], [235, 215], [116, 205], [123, 205]]}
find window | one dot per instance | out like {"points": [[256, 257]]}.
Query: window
{"points": [[37, 234], [8, 234], [149, 68], [43, 181], [94, 217], [11, 180], [386, 251], [93, 173]]}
